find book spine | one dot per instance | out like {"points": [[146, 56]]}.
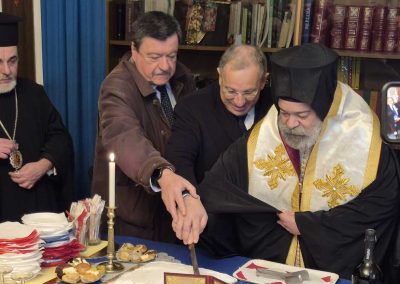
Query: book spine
{"points": [[270, 25], [276, 17], [129, 13], [320, 21], [398, 32], [244, 24], [120, 22], [339, 18], [377, 28], [352, 27], [390, 31], [249, 22], [307, 21], [364, 43]]}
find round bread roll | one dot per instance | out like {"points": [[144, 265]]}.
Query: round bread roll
{"points": [[140, 249], [91, 275], [135, 256], [123, 255], [127, 246], [71, 277], [81, 268]]}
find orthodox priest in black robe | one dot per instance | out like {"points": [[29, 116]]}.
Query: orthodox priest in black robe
{"points": [[36, 153], [343, 183]]}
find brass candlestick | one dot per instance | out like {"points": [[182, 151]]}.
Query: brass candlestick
{"points": [[111, 266]]}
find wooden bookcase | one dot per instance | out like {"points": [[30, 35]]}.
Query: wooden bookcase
{"points": [[376, 68]]}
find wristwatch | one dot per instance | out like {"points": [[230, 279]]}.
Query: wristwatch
{"points": [[157, 174]]}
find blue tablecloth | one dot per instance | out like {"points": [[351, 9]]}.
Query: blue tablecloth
{"points": [[224, 265]]}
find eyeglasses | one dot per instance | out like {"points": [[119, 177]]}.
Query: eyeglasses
{"points": [[231, 93]]}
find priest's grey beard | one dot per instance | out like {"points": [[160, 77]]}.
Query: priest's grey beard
{"points": [[5, 88], [300, 138]]}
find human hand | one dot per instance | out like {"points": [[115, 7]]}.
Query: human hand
{"points": [[6, 147], [189, 227], [30, 173], [172, 186], [288, 222]]}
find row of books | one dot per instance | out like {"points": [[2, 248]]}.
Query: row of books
{"points": [[128, 12], [352, 27], [268, 23], [348, 72]]}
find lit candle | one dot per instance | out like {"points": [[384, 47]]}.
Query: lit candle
{"points": [[111, 182]]}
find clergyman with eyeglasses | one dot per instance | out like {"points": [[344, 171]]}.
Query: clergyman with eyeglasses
{"points": [[135, 115], [211, 119]]}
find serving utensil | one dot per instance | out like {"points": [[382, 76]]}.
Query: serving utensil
{"points": [[296, 277]]}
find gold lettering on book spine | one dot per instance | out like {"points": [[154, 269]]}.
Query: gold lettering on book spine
{"points": [[335, 187], [277, 166]]}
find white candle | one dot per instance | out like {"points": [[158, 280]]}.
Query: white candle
{"points": [[111, 182]]}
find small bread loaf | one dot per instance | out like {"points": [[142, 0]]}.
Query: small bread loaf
{"points": [[71, 277], [123, 255], [140, 249], [82, 267]]}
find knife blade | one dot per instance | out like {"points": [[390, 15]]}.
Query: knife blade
{"points": [[193, 258]]}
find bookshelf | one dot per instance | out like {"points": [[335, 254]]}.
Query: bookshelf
{"points": [[376, 68]]}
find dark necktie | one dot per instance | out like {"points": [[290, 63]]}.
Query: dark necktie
{"points": [[241, 120], [166, 104]]}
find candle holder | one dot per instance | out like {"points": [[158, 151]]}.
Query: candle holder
{"points": [[111, 266]]}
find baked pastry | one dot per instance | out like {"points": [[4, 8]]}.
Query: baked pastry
{"points": [[123, 255], [81, 268], [148, 255], [92, 275], [140, 249], [71, 276], [135, 253]]}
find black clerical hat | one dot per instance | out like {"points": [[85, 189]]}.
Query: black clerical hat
{"points": [[306, 73], [8, 29]]}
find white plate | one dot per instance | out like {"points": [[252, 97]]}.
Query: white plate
{"points": [[14, 230], [247, 272], [20, 255], [45, 218]]}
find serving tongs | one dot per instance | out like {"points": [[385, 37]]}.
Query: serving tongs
{"points": [[296, 277]]}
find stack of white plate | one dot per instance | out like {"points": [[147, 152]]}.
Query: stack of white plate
{"points": [[55, 230], [20, 247]]}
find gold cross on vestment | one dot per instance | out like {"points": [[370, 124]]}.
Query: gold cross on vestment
{"points": [[336, 187], [276, 166]]}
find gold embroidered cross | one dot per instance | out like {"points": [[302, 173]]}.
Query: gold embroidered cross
{"points": [[336, 187], [276, 166]]}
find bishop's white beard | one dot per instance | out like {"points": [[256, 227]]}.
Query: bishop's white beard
{"points": [[5, 88], [300, 138]]}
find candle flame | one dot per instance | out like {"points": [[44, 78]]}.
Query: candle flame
{"points": [[112, 156]]}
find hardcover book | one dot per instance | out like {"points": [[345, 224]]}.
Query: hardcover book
{"points": [[390, 30], [352, 27], [367, 13], [338, 23], [321, 21], [307, 21], [377, 28], [133, 9]]}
